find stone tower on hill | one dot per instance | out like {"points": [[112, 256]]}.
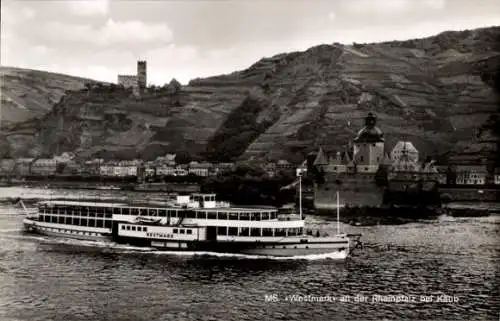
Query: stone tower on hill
{"points": [[141, 74]]}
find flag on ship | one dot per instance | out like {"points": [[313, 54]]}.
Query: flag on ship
{"points": [[15, 200], [299, 172], [290, 186]]}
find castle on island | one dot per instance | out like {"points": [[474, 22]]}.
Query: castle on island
{"points": [[355, 171]]}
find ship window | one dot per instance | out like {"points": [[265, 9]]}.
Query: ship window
{"points": [[61, 220], [233, 216], [153, 212], [123, 227], [68, 220], [47, 218], [222, 215], [92, 212], [212, 215], [144, 229], [176, 231], [201, 215], [174, 213], [99, 223], [126, 211], [108, 210], [255, 232], [279, 232], [83, 222], [135, 211], [182, 231], [267, 232], [233, 231], [244, 231], [221, 230], [116, 210], [190, 214], [162, 213], [265, 215], [91, 223], [109, 215], [107, 223], [144, 212], [133, 228], [244, 216], [189, 232], [101, 213]]}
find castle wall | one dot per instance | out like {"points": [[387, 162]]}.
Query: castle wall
{"points": [[355, 190], [369, 153], [127, 81]]}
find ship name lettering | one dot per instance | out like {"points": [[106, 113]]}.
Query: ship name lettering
{"points": [[159, 235]]}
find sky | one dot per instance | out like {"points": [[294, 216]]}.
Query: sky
{"points": [[186, 39]]}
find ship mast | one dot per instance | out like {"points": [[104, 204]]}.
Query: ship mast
{"points": [[300, 193], [338, 213]]}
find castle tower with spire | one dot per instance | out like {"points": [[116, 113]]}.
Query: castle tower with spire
{"points": [[368, 149]]}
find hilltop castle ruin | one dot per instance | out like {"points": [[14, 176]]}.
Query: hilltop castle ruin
{"points": [[136, 82]]}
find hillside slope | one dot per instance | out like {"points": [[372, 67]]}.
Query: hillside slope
{"points": [[435, 91], [27, 94]]}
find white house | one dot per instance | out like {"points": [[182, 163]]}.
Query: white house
{"points": [[471, 174], [165, 171]]}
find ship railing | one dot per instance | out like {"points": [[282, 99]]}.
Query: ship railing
{"points": [[289, 217]]}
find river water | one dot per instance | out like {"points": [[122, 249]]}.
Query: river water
{"points": [[439, 269]]}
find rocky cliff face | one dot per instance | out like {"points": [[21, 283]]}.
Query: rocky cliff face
{"points": [[435, 92]]}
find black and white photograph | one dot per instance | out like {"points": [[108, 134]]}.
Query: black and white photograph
{"points": [[249, 160]]}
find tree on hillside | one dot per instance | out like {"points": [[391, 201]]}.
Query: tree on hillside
{"points": [[183, 157], [174, 87]]}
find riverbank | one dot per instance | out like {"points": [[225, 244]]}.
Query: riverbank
{"points": [[470, 194], [140, 187]]}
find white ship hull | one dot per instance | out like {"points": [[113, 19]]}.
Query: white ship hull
{"points": [[61, 230], [285, 247], [295, 252]]}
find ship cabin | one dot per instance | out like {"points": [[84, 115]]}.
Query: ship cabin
{"points": [[198, 200], [101, 215]]}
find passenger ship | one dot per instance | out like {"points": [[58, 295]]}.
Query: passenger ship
{"points": [[194, 222]]}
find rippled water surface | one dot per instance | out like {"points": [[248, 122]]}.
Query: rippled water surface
{"points": [[57, 279]]}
